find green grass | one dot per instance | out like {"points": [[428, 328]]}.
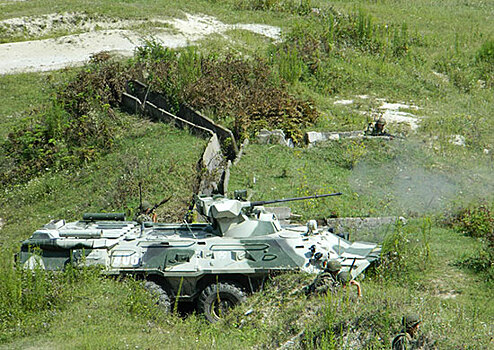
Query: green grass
{"points": [[20, 94], [455, 307], [422, 176], [160, 157]]}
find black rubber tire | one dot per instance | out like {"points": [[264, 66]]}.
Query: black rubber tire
{"points": [[217, 298], [158, 292]]}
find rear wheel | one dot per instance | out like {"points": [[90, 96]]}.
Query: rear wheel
{"points": [[158, 292], [216, 299]]}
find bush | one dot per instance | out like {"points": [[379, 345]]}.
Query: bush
{"points": [[76, 127], [300, 7], [404, 254], [486, 52], [243, 94], [478, 221]]}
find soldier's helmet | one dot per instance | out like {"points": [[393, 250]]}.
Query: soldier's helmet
{"points": [[343, 277], [411, 320], [333, 266], [145, 206]]}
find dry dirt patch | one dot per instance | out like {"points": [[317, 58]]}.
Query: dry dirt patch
{"points": [[102, 34], [395, 113]]}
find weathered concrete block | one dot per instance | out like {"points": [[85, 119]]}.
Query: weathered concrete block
{"points": [[276, 137], [243, 146], [226, 177], [131, 103], [142, 92], [313, 137], [212, 156]]}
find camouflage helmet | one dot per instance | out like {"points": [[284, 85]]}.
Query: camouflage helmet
{"points": [[145, 206], [410, 321], [343, 277], [333, 266]]}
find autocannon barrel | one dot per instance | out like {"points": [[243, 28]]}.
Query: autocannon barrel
{"points": [[256, 203], [103, 216]]}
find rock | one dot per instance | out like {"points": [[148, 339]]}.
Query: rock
{"points": [[313, 137], [276, 137], [343, 102], [457, 140]]}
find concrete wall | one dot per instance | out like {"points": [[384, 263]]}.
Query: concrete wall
{"points": [[133, 105], [143, 93], [213, 167]]}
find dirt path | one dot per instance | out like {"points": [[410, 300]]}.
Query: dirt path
{"points": [[102, 35]]}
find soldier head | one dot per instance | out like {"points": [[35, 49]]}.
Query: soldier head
{"points": [[145, 206], [379, 126], [411, 323], [333, 266], [344, 277]]}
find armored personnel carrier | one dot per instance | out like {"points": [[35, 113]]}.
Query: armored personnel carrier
{"points": [[213, 264]]}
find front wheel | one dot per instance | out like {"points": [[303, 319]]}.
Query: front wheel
{"points": [[216, 299], [158, 292]]}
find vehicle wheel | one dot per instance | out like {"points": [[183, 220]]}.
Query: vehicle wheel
{"points": [[163, 299], [217, 298]]}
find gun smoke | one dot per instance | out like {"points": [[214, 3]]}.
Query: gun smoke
{"points": [[414, 184]]}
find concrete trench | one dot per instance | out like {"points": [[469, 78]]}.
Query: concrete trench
{"points": [[214, 165]]}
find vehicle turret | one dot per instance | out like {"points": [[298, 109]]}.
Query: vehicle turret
{"points": [[240, 218]]}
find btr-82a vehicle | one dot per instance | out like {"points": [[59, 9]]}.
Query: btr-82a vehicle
{"points": [[213, 264]]}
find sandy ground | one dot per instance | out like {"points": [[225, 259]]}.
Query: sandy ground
{"points": [[391, 112], [103, 34]]}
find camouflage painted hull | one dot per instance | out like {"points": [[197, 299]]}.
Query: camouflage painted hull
{"points": [[186, 258]]}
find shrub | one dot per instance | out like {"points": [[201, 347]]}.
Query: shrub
{"points": [[486, 52], [300, 7], [476, 221], [485, 63], [75, 127], [241, 93]]}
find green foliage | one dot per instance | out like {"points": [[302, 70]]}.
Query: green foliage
{"points": [[404, 254], [299, 7], [29, 297], [76, 127], [486, 52], [138, 302], [316, 47], [395, 254], [241, 93], [477, 221], [290, 66], [355, 151], [361, 56], [485, 64]]}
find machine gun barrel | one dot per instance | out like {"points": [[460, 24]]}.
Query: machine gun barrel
{"points": [[256, 203]]}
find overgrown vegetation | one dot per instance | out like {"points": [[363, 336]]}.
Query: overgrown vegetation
{"points": [[76, 127], [477, 221], [70, 151], [244, 94]]}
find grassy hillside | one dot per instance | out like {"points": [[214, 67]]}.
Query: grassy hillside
{"points": [[436, 55]]}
